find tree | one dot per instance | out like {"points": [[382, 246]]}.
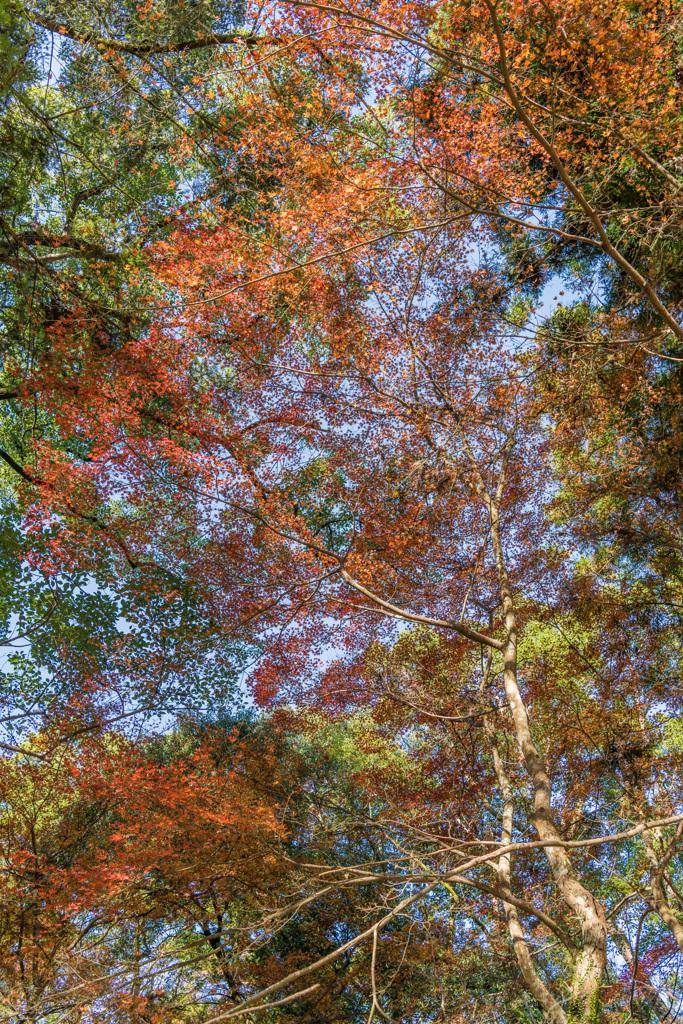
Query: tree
{"points": [[346, 432], [106, 143], [102, 150], [112, 860]]}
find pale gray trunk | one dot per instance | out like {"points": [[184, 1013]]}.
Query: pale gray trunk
{"points": [[592, 959]]}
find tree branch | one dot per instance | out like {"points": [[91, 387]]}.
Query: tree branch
{"points": [[145, 49]]}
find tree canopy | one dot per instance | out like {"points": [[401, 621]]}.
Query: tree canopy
{"points": [[341, 445]]}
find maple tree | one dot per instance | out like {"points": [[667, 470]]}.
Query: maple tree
{"points": [[348, 422], [96, 846]]}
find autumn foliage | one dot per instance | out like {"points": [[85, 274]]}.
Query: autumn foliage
{"points": [[342, 450]]}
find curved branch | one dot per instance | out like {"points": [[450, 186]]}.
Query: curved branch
{"points": [[394, 610], [145, 49]]}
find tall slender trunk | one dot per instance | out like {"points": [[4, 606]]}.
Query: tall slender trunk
{"points": [[552, 1011], [592, 959]]}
